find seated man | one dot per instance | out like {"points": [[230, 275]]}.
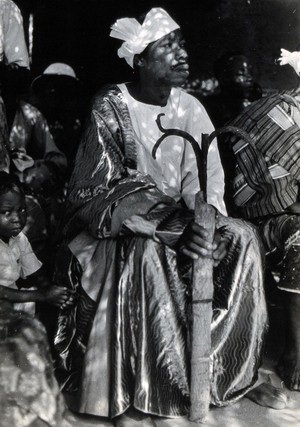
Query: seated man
{"points": [[266, 191], [132, 236]]}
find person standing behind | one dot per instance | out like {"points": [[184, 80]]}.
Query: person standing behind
{"points": [[14, 61], [266, 192], [237, 90], [59, 95], [14, 58], [40, 164]]}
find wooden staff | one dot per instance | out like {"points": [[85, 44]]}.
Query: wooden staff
{"points": [[202, 295], [202, 285], [203, 289]]}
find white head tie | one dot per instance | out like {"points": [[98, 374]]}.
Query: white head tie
{"points": [[291, 58], [157, 24]]}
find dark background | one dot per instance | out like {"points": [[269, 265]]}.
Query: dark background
{"points": [[76, 32]]}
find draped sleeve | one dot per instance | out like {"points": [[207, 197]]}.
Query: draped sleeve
{"points": [[104, 172]]}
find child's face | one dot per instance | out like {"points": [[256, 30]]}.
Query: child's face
{"points": [[12, 214]]}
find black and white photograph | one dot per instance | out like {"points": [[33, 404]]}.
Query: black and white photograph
{"points": [[149, 213]]}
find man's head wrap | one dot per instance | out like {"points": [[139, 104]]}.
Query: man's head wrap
{"points": [[156, 25]]}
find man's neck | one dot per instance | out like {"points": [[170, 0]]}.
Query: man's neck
{"points": [[149, 94]]}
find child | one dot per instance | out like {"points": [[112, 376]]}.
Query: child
{"points": [[17, 260]]}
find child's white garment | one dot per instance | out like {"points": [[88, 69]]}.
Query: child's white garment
{"points": [[17, 260]]}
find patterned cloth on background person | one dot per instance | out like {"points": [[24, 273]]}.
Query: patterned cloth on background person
{"points": [[266, 181], [268, 170]]}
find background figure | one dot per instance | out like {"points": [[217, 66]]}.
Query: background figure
{"points": [[266, 192], [46, 129], [20, 268], [42, 169], [14, 67], [26, 375], [237, 90], [60, 96], [4, 148], [14, 59], [30, 395], [47, 116], [33, 396]]}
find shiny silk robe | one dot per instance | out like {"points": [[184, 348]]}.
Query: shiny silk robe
{"points": [[126, 341]]}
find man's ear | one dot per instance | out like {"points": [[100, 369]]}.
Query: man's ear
{"points": [[138, 61]]}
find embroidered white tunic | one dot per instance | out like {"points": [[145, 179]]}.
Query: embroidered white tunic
{"points": [[174, 169]]}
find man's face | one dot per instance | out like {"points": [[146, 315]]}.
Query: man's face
{"points": [[165, 60], [241, 72]]}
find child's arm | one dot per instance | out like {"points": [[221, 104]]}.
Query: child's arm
{"points": [[14, 295], [38, 279], [46, 290], [53, 294]]}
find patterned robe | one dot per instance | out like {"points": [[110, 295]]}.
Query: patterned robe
{"points": [[266, 179], [127, 340]]}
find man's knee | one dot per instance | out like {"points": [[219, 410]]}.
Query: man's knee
{"points": [[292, 227], [241, 230]]}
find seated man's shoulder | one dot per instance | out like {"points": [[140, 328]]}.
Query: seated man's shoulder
{"points": [[104, 94], [109, 102]]}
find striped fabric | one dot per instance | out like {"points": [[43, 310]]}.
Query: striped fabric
{"points": [[267, 171]]}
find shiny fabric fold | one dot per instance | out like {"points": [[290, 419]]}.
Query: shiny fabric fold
{"points": [[281, 238], [137, 351]]}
